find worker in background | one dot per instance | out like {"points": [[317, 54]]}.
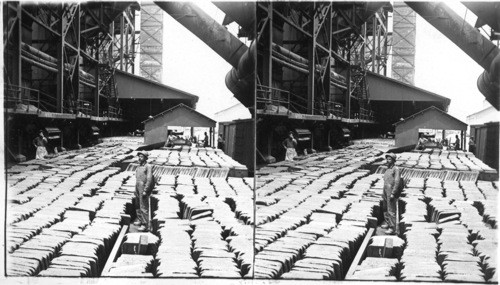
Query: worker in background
{"points": [[170, 139], [290, 143], [421, 142], [40, 144], [206, 142], [472, 145], [143, 188], [457, 142], [392, 178], [220, 143]]}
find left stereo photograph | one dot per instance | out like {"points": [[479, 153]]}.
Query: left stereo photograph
{"points": [[129, 139]]}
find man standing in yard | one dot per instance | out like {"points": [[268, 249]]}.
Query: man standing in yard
{"points": [[206, 142], [290, 143], [40, 144], [143, 188], [392, 177], [457, 142]]}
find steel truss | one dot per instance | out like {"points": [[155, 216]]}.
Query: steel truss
{"points": [[317, 54], [62, 55], [151, 43], [403, 43]]}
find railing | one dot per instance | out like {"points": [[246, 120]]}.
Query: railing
{"points": [[32, 98], [335, 109], [113, 112], [364, 114], [298, 104], [84, 107], [293, 103], [281, 98], [266, 96]]}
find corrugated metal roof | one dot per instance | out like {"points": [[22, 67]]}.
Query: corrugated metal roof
{"points": [[382, 88], [426, 111], [181, 106], [135, 87]]}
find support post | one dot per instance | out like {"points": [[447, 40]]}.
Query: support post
{"points": [[374, 44], [327, 79], [328, 139], [122, 31], [17, 56], [133, 44], [60, 63], [348, 92], [311, 56], [76, 74], [462, 138], [268, 61]]}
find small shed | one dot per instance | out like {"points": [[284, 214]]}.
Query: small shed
{"points": [[239, 141], [434, 118], [155, 128]]}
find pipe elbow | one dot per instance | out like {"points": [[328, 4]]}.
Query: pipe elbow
{"points": [[488, 83]]}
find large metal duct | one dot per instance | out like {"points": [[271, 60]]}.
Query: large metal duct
{"points": [[241, 80], [206, 29], [487, 12], [371, 8], [467, 38], [216, 36], [242, 13]]}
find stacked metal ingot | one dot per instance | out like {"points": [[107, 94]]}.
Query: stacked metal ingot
{"points": [[471, 191], [174, 251], [208, 222], [442, 160], [455, 255], [240, 239], [211, 251], [375, 269], [133, 265], [54, 228], [192, 157], [419, 257], [443, 212], [455, 222], [483, 246], [297, 236]]}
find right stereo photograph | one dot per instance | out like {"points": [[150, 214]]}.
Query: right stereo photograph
{"points": [[377, 141]]}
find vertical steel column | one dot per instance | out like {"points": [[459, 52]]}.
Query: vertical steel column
{"points": [[18, 62], [122, 30], [379, 59], [126, 29], [385, 43], [76, 72], [311, 56], [98, 55], [374, 42], [327, 80], [60, 62], [348, 91], [133, 42], [268, 60], [363, 45], [268, 66]]}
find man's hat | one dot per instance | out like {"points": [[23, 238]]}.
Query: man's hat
{"points": [[145, 153], [391, 155]]}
